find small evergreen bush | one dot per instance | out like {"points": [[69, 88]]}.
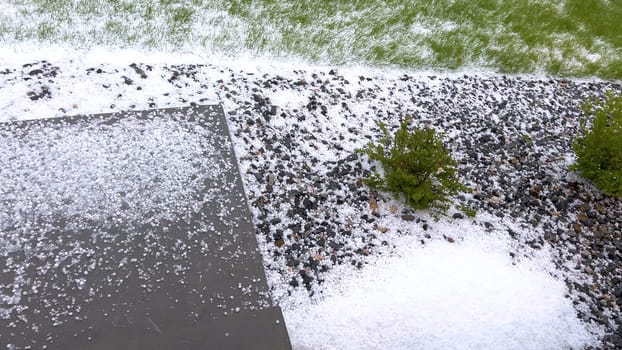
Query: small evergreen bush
{"points": [[599, 147], [416, 165]]}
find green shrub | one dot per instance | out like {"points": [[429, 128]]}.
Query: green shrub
{"points": [[415, 165], [599, 147]]}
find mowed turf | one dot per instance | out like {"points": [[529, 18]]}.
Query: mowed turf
{"points": [[579, 38]]}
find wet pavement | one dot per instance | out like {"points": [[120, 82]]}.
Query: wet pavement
{"points": [[129, 231]]}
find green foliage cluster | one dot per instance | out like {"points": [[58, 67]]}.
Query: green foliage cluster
{"points": [[599, 147], [416, 165]]}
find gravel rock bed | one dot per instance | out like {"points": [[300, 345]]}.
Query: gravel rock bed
{"points": [[513, 139], [296, 131]]}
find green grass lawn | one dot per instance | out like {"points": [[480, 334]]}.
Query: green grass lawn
{"points": [[560, 37]]}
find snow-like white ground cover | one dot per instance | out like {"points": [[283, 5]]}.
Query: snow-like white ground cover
{"points": [[468, 294], [463, 295]]}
